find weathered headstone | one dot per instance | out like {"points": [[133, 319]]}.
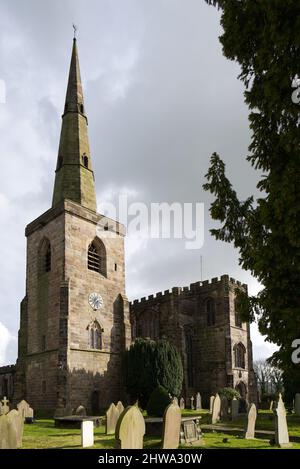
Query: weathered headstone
{"points": [[5, 406], [211, 401], [87, 433], [297, 404], [182, 404], [130, 429], [11, 430], [191, 433], [216, 409], [171, 426], [281, 428], [234, 408], [81, 410], [112, 416], [198, 401], [120, 407], [271, 405], [25, 410], [192, 403], [252, 414], [224, 407]]}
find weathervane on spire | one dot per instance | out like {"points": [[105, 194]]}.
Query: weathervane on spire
{"points": [[75, 30]]}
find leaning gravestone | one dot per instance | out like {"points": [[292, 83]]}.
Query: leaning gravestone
{"points": [[234, 408], [281, 428], [297, 404], [5, 406], [81, 410], [216, 409], [11, 430], [120, 407], [112, 416], [198, 401], [252, 414], [25, 410], [182, 405], [211, 401], [271, 405], [87, 433], [130, 429], [224, 407], [171, 426]]}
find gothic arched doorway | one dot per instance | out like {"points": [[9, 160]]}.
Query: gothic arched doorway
{"points": [[242, 389]]}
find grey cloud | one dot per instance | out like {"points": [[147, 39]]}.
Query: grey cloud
{"points": [[160, 99]]}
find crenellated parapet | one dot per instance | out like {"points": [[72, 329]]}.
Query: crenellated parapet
{"points": [[193, 288]]}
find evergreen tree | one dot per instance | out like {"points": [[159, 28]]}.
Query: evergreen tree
{"points": [[263, 37], [149, 364]]}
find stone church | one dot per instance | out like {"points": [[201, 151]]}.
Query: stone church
{"points": [[75, 319]]}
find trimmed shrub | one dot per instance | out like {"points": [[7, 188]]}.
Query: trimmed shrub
{"points": [[148, 364], [158, 402]]}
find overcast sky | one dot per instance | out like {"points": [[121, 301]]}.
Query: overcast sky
{"points": [[160, 98]]}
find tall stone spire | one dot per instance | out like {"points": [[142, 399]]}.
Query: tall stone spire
{"points": [[74, 179]]}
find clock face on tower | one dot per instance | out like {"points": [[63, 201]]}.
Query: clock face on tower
{"points": [[95, 301]]}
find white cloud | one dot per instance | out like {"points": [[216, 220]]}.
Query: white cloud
{"points": [[5, 339], [261, 348]]}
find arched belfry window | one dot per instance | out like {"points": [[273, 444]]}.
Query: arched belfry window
{"points": [[210, 310], [95, 336], [96, 259], [240, 355], [45, 256]]}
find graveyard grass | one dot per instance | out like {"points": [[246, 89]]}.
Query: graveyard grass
{"points": [[43, 434]]}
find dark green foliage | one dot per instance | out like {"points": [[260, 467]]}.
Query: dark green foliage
{"points": [[158, 401], [263, 37], [148, 364], [229, 393]]}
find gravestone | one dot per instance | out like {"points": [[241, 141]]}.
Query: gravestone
{"points": [[198, 401], [112, 416], [171, 426], [120, 407], [81, 410], [224, 407], [25, 410], [192, 403], [297, 404], [252, 414], [87, 433], [211, 401], [5, 406], [216, 409], [234, 408], [182, 405], [130, 429], [11, 430], [281, 428], [271, 405], [175, 399], [191, 433]]}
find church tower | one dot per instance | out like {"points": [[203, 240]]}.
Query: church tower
{"points": [[75, 316]]}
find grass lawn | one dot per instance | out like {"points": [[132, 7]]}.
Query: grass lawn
{"points": [[265, 421], [43, 434]]}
